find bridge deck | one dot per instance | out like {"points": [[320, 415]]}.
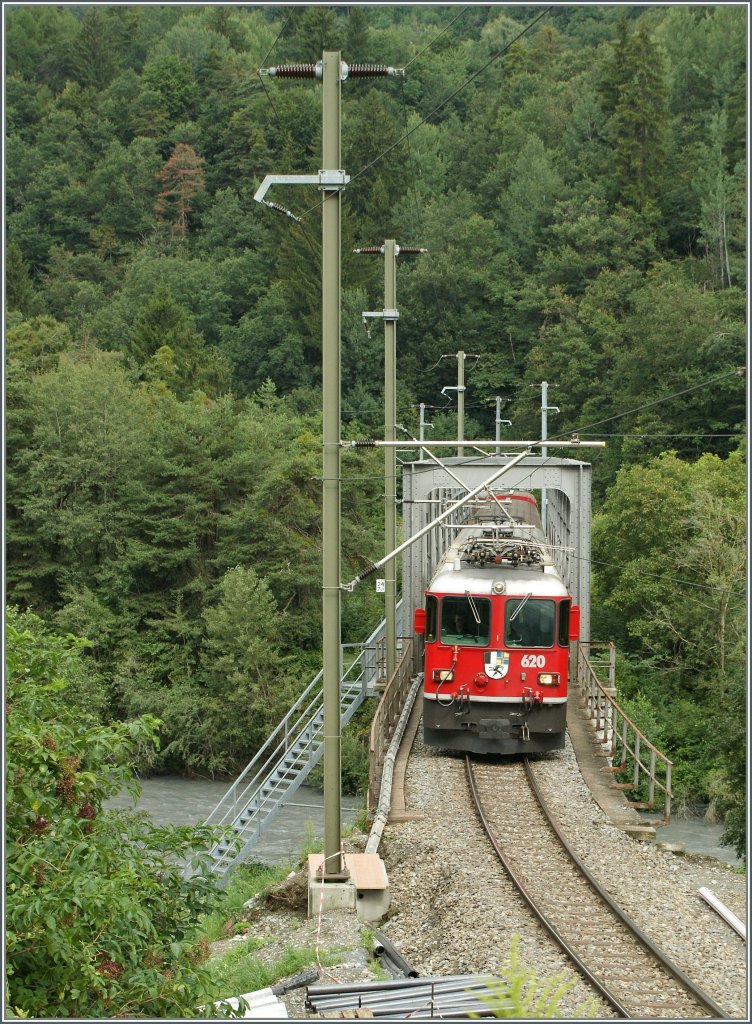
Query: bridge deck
{"points": [[590, 759]]}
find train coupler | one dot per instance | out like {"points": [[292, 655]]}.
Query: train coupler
{"points": [[462, 700], [524, 732]]}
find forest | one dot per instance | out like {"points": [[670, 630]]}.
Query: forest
{"points": [[577, 175]]}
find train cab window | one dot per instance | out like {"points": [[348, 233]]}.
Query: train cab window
{"points": [[432, 616], [466, 621], [564, 607], [529, 622]]}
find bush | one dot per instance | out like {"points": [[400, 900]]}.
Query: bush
{"points": [[99, 919]]}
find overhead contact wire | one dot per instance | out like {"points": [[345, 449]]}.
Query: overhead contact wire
{"points": [[646, 405], [436, 109], [420, 54]]}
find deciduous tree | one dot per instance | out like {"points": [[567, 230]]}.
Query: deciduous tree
{"points": [[99, 919]]}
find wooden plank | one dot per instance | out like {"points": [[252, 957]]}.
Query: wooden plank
{"points": [[366, 869]]}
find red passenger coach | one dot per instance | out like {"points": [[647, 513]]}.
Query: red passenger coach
{"points": [[497, 625]]}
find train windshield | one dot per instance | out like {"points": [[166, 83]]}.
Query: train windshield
{"points": [[529, 622], [466, 621]]}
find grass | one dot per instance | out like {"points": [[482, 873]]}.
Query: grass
{"points": [[240, 971], [247, 881]]}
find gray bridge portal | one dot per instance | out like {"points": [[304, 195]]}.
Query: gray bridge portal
{"points": [[292, 750], [428, 490]]}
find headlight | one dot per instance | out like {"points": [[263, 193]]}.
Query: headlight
{"points": [[443, 675], [548, 678]]}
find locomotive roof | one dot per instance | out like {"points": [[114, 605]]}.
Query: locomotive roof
{"points": [[455, 576], [518, 582]]}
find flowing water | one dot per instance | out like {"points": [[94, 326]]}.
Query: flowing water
{"points": [[174, 801], [697, 835]]}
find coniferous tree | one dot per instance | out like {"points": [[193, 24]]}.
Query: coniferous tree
{"points": [[19, 291], [95, 50], [638, 124], [163, 321], [357, 38], [182, 180]]}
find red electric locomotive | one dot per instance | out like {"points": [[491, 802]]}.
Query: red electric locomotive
{"points": [[497, 625]]}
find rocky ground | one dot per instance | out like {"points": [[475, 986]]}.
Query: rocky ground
{"points": [[343, 947], [436, 890]]}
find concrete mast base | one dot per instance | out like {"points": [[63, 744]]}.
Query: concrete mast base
{"points": [[366, 891]]}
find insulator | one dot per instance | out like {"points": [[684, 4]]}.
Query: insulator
{"points": [[370, 250], [369, 71], [367, 443], [294, 71], [411, 250], [366, 572], [281, 209]]}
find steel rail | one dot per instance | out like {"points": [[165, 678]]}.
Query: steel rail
{"points": [[584, 970], [699, 994], [686, 983]]}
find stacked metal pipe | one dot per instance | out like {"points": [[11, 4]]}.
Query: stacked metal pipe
{"points": [[453, 997]]}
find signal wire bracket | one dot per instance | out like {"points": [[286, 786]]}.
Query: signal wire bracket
{"points": [[381, 314]]}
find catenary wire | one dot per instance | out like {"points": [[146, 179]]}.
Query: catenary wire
{"points": [[436, 109], [440, 34], [647, 405], [650, 436], [658, 576], [279, 36], [414, 197]]}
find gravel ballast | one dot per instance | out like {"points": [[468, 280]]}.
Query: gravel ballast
{"points": [[454, 912]]}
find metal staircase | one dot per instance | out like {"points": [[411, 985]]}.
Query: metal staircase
{"points": [[284, 762]]}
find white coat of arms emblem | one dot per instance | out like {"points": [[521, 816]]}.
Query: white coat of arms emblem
{"points": [[496, 664]]}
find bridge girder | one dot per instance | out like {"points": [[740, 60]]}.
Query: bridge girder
{"points": [[427, 489]]}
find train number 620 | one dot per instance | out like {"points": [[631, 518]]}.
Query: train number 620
{"points": [[533, 661]]}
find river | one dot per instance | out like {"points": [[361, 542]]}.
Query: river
{"points": [[172, 800], [696, 835]]}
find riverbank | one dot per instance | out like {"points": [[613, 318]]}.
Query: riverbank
{"points": [[171, 800], [698, 836]]}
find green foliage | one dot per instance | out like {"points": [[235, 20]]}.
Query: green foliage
{"points": [[241, 971], [243, 684], [245, 882], [583, 201], [99, 919], [19, 291], [522, 994], [670, 569], [637, 126], [353, 762], [731, 737]]}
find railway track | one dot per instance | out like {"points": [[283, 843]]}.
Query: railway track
{"points": [[613, 954]]}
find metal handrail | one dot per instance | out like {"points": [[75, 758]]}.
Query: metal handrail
{"points": [[291, 728], [259, 768], [622, 741]]}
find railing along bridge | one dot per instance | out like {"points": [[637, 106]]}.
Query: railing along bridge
{"points": [[630, 752], [287, 758]]}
